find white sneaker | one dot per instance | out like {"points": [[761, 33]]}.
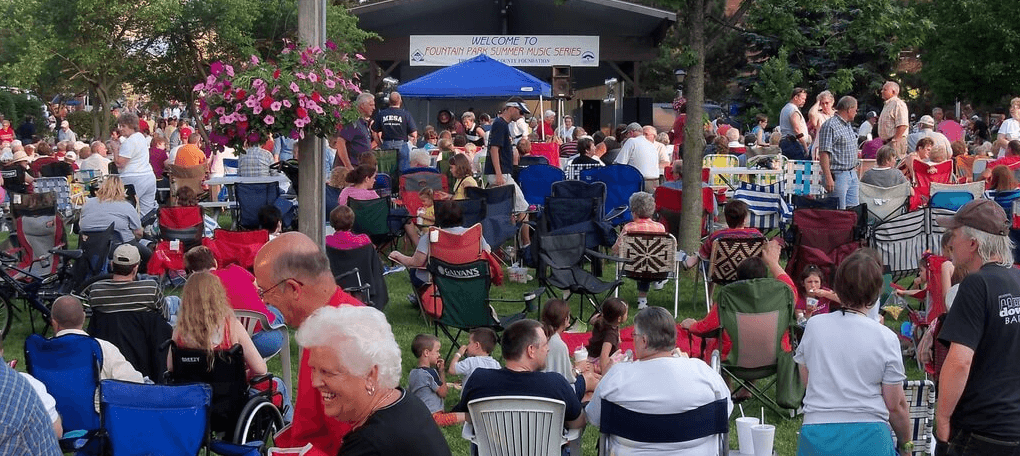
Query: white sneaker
{"points": [[658, 285], [642, 305]]}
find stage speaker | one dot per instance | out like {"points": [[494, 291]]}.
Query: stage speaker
{"points": [[637, 109], [561, 82]]}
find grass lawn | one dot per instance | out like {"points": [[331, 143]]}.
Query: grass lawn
{"points": [[407, 323]]}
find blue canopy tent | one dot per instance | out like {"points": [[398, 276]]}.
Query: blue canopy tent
{"points": [[479, 77]]}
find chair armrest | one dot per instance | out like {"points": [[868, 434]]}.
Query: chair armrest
{"points": [[615, 212], [345, 274], [603, 256], [714, 334]]}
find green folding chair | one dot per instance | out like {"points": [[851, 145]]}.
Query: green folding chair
{"points": [[756, 314], [464, 291], [371, 217]]}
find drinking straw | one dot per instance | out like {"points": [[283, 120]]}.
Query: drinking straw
{"points": [[763, 415], [741, 410]]}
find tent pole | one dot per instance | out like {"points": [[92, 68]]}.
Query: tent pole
{"points": [[541, 120]]}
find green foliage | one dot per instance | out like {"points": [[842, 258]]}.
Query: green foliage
{"points": [[847, 46], [81, 123], [774, 84], [7, 107], [973, 55]]}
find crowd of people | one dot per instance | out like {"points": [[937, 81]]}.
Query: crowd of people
{"points": [[349, 399]]}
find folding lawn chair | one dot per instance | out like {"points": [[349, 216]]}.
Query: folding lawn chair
{"points": [[411, 184], [924, 175], [901, 240], [757, 315], [823, 237], [921, 410], [251, 197], [950, 200], [498, 225], [979, 167], [69, 366], [58, 185], [372, 217], [236, 247], [650, 257], [776, 162], [727, 254], [974, 188], [187, 176], [884, 202], [255, 322], [561, 259], [621, 427], [96, 247], [154, 419], [768, 209], [359, 271], [1005, 199], [40, 228], [517, 426], [621, 181], [536, 182], [573, 170], [804, 177], [721, 161], [460, 294]]}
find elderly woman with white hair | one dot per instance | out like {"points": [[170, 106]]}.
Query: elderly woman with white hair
{"points": [[355, 365], [642, 207], [680, 384]]}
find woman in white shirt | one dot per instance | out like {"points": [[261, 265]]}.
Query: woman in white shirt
{"points": [[133, 163]]}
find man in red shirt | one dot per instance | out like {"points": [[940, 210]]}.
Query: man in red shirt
{"points": [[292, 273], [1011, 159]]}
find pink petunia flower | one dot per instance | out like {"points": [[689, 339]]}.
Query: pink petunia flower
{"points": [[276, 106], [328, 72], [254, 60], [299, 75], [313, 77], [287, 103], [256, 109], [198, 87], [269, 120], [251, 102], [294, 87], [230, 71]]}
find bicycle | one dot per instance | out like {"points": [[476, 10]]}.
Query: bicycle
{"points": [[35, 292]]}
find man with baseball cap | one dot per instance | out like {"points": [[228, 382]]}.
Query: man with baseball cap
{"points": [[864, 131], [499, 164], [926, 129], [129, 313], [979, 386]]}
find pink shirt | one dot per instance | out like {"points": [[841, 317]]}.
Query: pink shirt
{"points": [[356, 193], [346, 240]]}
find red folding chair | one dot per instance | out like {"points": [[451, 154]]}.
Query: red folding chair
{"points": [[236, 247], [924, 175], [550, 151]]}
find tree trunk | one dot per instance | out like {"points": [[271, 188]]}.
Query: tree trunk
{"points": [[104, 112], [694, 139]]}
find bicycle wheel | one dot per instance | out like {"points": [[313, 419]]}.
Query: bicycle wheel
{"points": [[6, 316]]}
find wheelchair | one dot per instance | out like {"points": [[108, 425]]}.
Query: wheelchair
{"points": [[243, 411]]}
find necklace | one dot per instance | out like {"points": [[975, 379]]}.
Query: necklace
{"points": [[858, 312], [380, 401]]}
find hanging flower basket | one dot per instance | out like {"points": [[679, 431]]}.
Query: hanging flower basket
{"points": [[304, 93]]}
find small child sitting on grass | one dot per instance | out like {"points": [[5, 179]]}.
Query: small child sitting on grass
{"points": [[479, 350], [428, 380]]}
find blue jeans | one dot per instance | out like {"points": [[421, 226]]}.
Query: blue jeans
{"points": [[846, 187], [963, 443], [269, 341]]}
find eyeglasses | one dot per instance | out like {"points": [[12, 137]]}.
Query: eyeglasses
{"points": [[262, 293]]}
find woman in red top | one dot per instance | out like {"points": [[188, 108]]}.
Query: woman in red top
{"points": [[750, 268], [6, 133], [205, 321]]}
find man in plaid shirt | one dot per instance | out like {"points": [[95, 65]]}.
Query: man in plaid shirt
{"points": [[837, 146]]}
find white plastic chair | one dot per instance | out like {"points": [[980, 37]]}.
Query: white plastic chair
{"points": [[517, 426], [248, 319], [884, 202]]}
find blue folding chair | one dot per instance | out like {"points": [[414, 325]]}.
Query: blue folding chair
{"points": [[139, 418], [497, 223], [250, 198], [536, 182], [617, 422], [950, 200], [621, 181], [1005, 199], [69, 366]]}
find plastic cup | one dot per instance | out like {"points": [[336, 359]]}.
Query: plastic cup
{"points": [[763, 436], [581, 354], [433, 235], [746, 445]]}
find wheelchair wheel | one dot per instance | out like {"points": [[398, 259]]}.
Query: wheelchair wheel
{"points": [[6, 315], [259, 421]]}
